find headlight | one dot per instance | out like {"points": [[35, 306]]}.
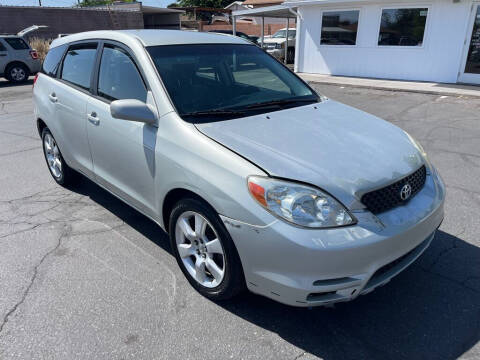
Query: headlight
{"points": [[299, 204], [417, 145], [420, 148]]}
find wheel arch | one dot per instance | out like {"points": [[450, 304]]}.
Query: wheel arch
{"points": [[175, 195], [40, 126], [16, 62]]}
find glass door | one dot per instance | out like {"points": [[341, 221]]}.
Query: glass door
{"points": [[471, 66]]}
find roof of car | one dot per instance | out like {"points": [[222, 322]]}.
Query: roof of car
{"points": [[151, 37]]}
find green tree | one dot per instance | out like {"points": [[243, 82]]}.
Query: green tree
{"points": [[205, 3], [86, 3]]}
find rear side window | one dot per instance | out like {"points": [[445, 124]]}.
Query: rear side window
{"points": [[17, 43], [119, 77], [78, 65], [52, 60]]}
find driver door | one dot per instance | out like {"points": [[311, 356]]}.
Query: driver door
{"points": [[123, 152]]}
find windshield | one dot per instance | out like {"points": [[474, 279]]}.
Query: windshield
{"points": [[220, 77], [282, 34]]}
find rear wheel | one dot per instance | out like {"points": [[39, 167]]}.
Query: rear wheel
{"points": [[17, 73], [60, 171], [290, 55], [205, 251]]}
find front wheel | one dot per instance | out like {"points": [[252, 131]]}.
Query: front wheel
{"points": [[205, 251], [290, 55]]}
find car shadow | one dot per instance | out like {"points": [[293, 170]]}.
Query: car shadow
{"points": [[431, 310], [6, 84]]}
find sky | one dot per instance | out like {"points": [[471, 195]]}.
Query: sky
{"points": [[160, 3]]}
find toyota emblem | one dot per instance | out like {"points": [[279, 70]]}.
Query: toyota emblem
{"points": [[406, 192]]}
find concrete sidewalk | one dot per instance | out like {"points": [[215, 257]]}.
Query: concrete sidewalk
{"points": [[395, 85]]}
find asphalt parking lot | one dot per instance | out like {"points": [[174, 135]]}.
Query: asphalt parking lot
{"points": [[84, 276]]}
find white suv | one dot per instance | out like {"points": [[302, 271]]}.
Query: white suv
{"points": [[17, 59]]}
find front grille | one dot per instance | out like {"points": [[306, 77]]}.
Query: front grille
{"points": [[390, 196]]}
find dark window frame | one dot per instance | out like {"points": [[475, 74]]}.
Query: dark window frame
{"points": [[96, 72], [341, 10], [406, 7]]}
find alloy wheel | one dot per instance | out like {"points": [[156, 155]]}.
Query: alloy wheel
{"points": [[18, 74], [53, 156], [200, 249]]}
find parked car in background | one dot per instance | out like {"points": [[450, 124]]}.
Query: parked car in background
{"points": [[260, 182], [275, 45], [17, 59], [238, 33]]}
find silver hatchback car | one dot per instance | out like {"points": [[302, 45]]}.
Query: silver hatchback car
{"points": [[260, 182]]}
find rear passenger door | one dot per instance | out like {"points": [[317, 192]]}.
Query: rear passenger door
{"points": [[123, 151], [3, 56], [70, 94]]}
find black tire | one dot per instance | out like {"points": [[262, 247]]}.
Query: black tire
{"points": [[290, 55], [233, 281], [67, 175], [17, 73]]}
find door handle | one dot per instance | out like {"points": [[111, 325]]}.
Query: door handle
{"points": [[53, 97], [92, 117]]}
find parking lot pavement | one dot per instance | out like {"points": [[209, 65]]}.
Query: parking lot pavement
{"points": [[83, 276]]}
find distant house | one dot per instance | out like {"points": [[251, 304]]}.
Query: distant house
{"points": [[437, 41], [69, 20], [261, 3], [250, 4]]}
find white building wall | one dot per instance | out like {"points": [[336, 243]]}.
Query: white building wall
{"points": [[437, 60]]}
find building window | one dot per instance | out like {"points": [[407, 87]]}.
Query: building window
{"points": [[402, 27], [339, 27]]}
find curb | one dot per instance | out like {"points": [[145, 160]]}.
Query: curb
{"points": [[387, 88]]}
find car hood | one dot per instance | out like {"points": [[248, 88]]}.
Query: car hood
{"points": [[340, 149]]}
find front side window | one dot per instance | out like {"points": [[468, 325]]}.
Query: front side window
{"points": [[78, 65], [119, 77], [2, 48], [339, 27], [402, 27], [226, 77], [17, 43]]}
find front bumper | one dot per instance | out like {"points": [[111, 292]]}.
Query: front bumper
{"points": [[305, 267], [277, 53]]}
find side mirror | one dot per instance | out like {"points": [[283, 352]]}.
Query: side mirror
{"points": [[133, 110]]}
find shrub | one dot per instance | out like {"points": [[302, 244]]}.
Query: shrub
{"points": [[41, 46]]}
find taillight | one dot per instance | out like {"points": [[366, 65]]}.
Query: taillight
{"points": [[35, 80], [34, 54]]}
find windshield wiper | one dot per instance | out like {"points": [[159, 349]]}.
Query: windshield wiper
{"points": [[207, 113], [279, 103]]}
